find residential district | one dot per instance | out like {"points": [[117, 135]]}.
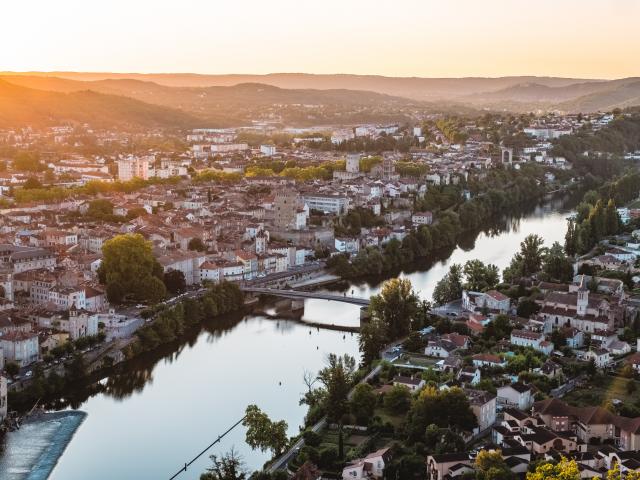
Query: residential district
{"points": [[545, 360]]}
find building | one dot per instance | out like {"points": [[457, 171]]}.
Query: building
{"points": [[412, 383], [20, 347], [372, 466], [516, 395], [268, 150], [491, 300], [20, 259], [528, 338], [133, 167], [484, 407], [285, 206], [589, 423], [336, 204], [186, 262], [422, 218], [353, 163]]}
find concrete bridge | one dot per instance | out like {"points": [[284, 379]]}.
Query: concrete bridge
{"points": [[276, 292]]}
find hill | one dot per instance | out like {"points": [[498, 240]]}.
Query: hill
{"points": [[239, 104], [26, 106], [416, 88]]}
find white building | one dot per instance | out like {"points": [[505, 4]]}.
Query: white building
{"points": [[268, 150], [516, 395], [422, 218], [133, 167], [528, 338], [20, 347]]}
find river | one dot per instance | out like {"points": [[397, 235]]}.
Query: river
{"points": [[168, 406]]}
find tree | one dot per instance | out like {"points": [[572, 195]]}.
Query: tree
{"points": [[557, 266], [263, 433], [197, 244], [337, 378], [397, 400], [373, 337], [29, 161], [363, 402], [527, 261], [174, 281], [480, 277], [12, 368], [31, 182], [491, 466], [396, 306], [128, 265], [227, 467], [563, 470], [446, 409], [449, 288]]}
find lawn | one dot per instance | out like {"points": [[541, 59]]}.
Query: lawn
{"points": [[602, 390], [415, 359]]}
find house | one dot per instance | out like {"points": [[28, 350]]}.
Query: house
{"points": [[469, 376], [372, 466], [440, 348], [422, 218], [589, 423], [487, 360], [634, 361], [528, 338], [347, 245], [491, 300], [484, 407], [414, 384], [20, 347], [600, 357], [540, 440], [516, 395], [440, 466]]}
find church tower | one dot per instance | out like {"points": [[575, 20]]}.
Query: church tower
{"points": [[583, 297]]}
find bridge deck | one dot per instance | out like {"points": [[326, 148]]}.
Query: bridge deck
{"points": [[317, 295]]}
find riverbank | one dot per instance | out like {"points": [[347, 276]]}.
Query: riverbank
{"points": [[32, 452]]}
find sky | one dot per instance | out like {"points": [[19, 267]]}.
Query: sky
{"points": [[428, 38]]}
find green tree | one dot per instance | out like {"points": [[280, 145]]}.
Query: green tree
{"points": [[12, 368], [397, 400], [480, 277], [557, 266], [363, 402], [373, 337], [449, 288], [128, 266], [197, 244], [337, 378], [174, 281], [263, 433], [396, 306], [527, 261]]}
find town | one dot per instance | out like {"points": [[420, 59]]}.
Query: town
{"points": [[114, 243]]}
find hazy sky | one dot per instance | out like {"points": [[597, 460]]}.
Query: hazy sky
{"points": [[582, 38]]}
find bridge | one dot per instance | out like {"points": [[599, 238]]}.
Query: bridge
{"points": [[276, 292]]}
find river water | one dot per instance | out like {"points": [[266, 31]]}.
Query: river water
{"points": [[167, 407]]}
